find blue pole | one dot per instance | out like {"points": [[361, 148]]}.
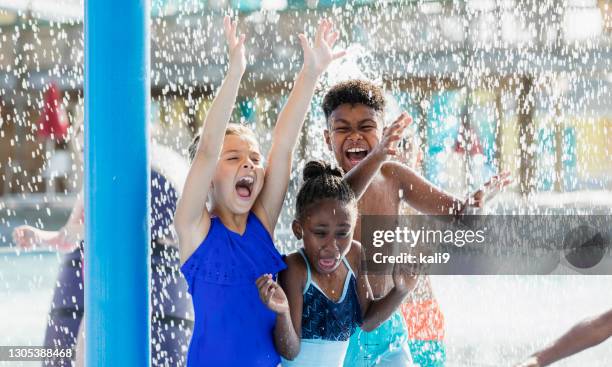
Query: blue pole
{"points": [[117, 94]]}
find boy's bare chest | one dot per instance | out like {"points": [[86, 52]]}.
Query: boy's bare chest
{"points": [[379, 199]]}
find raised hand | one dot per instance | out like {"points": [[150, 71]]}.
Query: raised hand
{"points": [[392, 135], [26, 237], [490, 189], [272, 295], [319, 55], [531, 362], [405, 277], [235, 44]]}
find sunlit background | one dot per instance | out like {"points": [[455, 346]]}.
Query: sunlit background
{"points": [[492, 86]]}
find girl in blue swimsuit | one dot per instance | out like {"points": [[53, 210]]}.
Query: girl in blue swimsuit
{"points": [[226, 245], [323, 295]]}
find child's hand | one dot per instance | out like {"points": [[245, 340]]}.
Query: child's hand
{"points": [[26, 237], [489, 190], [29, 238], [272, 295], [319, 56], [531, 362], [391, 137], [235, 43], [405, 277]]}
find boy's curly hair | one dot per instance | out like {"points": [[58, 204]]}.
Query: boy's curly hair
{"points": [[353, 91], [322, 181]]}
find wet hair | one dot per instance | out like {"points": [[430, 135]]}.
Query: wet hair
{"points": [[232, 129], [354, 91], [322, 181]]}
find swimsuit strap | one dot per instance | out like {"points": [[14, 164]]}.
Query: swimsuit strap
{"points": [[308, 277], [348, 266]]}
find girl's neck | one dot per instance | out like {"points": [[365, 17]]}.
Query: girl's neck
{"points": [[232, 221], [331, 284]]}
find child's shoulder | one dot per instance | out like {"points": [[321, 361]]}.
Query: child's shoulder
{"points": [[295, 273], [391, 169], [394, 172], [354, 256], [295, 261]]}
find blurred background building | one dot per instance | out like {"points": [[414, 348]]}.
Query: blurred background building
{"points": [[492, 84]]}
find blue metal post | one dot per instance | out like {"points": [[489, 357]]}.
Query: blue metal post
{"points": [[117, 93]]}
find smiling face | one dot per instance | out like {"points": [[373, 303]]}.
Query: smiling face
{"points": [[327, 232], [353, 131], [239, 176]]}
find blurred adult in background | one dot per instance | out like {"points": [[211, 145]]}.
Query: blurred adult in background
{"points": [[172, 313]]}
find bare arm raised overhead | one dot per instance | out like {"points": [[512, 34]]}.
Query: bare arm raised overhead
{"points": [[289, 123], [192, 220]]}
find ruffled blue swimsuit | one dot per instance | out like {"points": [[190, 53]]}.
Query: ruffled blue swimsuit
{"points": [[232, 326]]}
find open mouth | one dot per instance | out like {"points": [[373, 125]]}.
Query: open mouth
{"points": [[244, 187], [355, 155], [327, 263]]}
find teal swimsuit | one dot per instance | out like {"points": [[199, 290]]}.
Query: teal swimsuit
{"points": [[387, 345]]}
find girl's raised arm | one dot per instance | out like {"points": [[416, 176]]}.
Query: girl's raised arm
{"points": [[192, 219], [289, 123]]}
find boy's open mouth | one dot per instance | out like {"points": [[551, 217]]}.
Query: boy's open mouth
{"points": [[244, 186], [355, 154]]}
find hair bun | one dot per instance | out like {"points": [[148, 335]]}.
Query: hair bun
{"points": [[314, 169]]}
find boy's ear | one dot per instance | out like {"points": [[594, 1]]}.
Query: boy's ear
{"points": [[328, 140], [297, 229]]}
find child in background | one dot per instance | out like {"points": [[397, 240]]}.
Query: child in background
{"points": [[354, 112], [324, 294], [226, 246], [171, 316]]}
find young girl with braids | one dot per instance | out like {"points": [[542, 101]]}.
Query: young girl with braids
{"points": [[323, 294]]}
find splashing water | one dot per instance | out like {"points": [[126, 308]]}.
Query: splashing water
{"points": [[523, 86]]}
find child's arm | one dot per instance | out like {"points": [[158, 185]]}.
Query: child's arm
{"points": [[429, 199], [66, 238], [288, 308], [359, 178], [584, 335], [290, 121], [192, 219], [375, 312]]}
